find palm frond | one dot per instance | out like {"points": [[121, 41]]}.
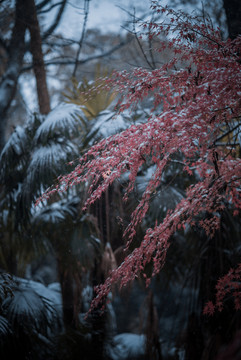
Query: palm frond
{"points": [[64, 119], [85, 245], [5, 328], [98, 99], [11, 158], [15, 146], [47, 161], [27, 309], [56, 213], [16, 150], [6, 285], [107, 123]]}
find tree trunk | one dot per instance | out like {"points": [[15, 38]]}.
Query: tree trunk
{"points": [[233, 14], [66, 282], [38, 60], [10, 79]]}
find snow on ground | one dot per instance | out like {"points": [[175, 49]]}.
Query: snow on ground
{"points": [[127, 346]]}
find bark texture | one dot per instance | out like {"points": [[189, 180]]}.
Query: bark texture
{"points": [[38, 59]]}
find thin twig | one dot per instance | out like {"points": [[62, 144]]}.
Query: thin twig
{"points": [[227, 133], [86, 12], [56, 21], [140, 45], [83, 61]]}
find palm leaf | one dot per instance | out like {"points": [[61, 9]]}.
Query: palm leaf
{"points": [[56, 213], [12, 158], [16, 151], [83, 245], [47, 162], [5, 328], [98, 98], [107, 123], [15, 146], [64, 119], [27, 309]]}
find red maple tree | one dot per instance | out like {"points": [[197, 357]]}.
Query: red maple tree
{"points": [[196, 110]]}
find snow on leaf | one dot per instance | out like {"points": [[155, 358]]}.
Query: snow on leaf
{"points": [[14, 148], [47, 160], [56, 212], [64, 118], [25, 306], [107, 123]]}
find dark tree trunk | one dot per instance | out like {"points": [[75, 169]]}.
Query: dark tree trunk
{"points": [[67, 290], [25, 17], [38, 60], [233, 13], [15, 58]]}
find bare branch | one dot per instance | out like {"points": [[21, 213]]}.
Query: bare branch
{"points": [[150, 45], [56, 21], [140, 45], [42, 4], [50, 8], [86, 12], [227, 132], [80, 62]]}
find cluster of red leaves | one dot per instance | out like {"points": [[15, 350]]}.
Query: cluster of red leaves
{"points": [[230, 284], [195, 95]]}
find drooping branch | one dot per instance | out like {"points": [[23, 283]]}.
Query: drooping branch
{"points": [[190, 100]]}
